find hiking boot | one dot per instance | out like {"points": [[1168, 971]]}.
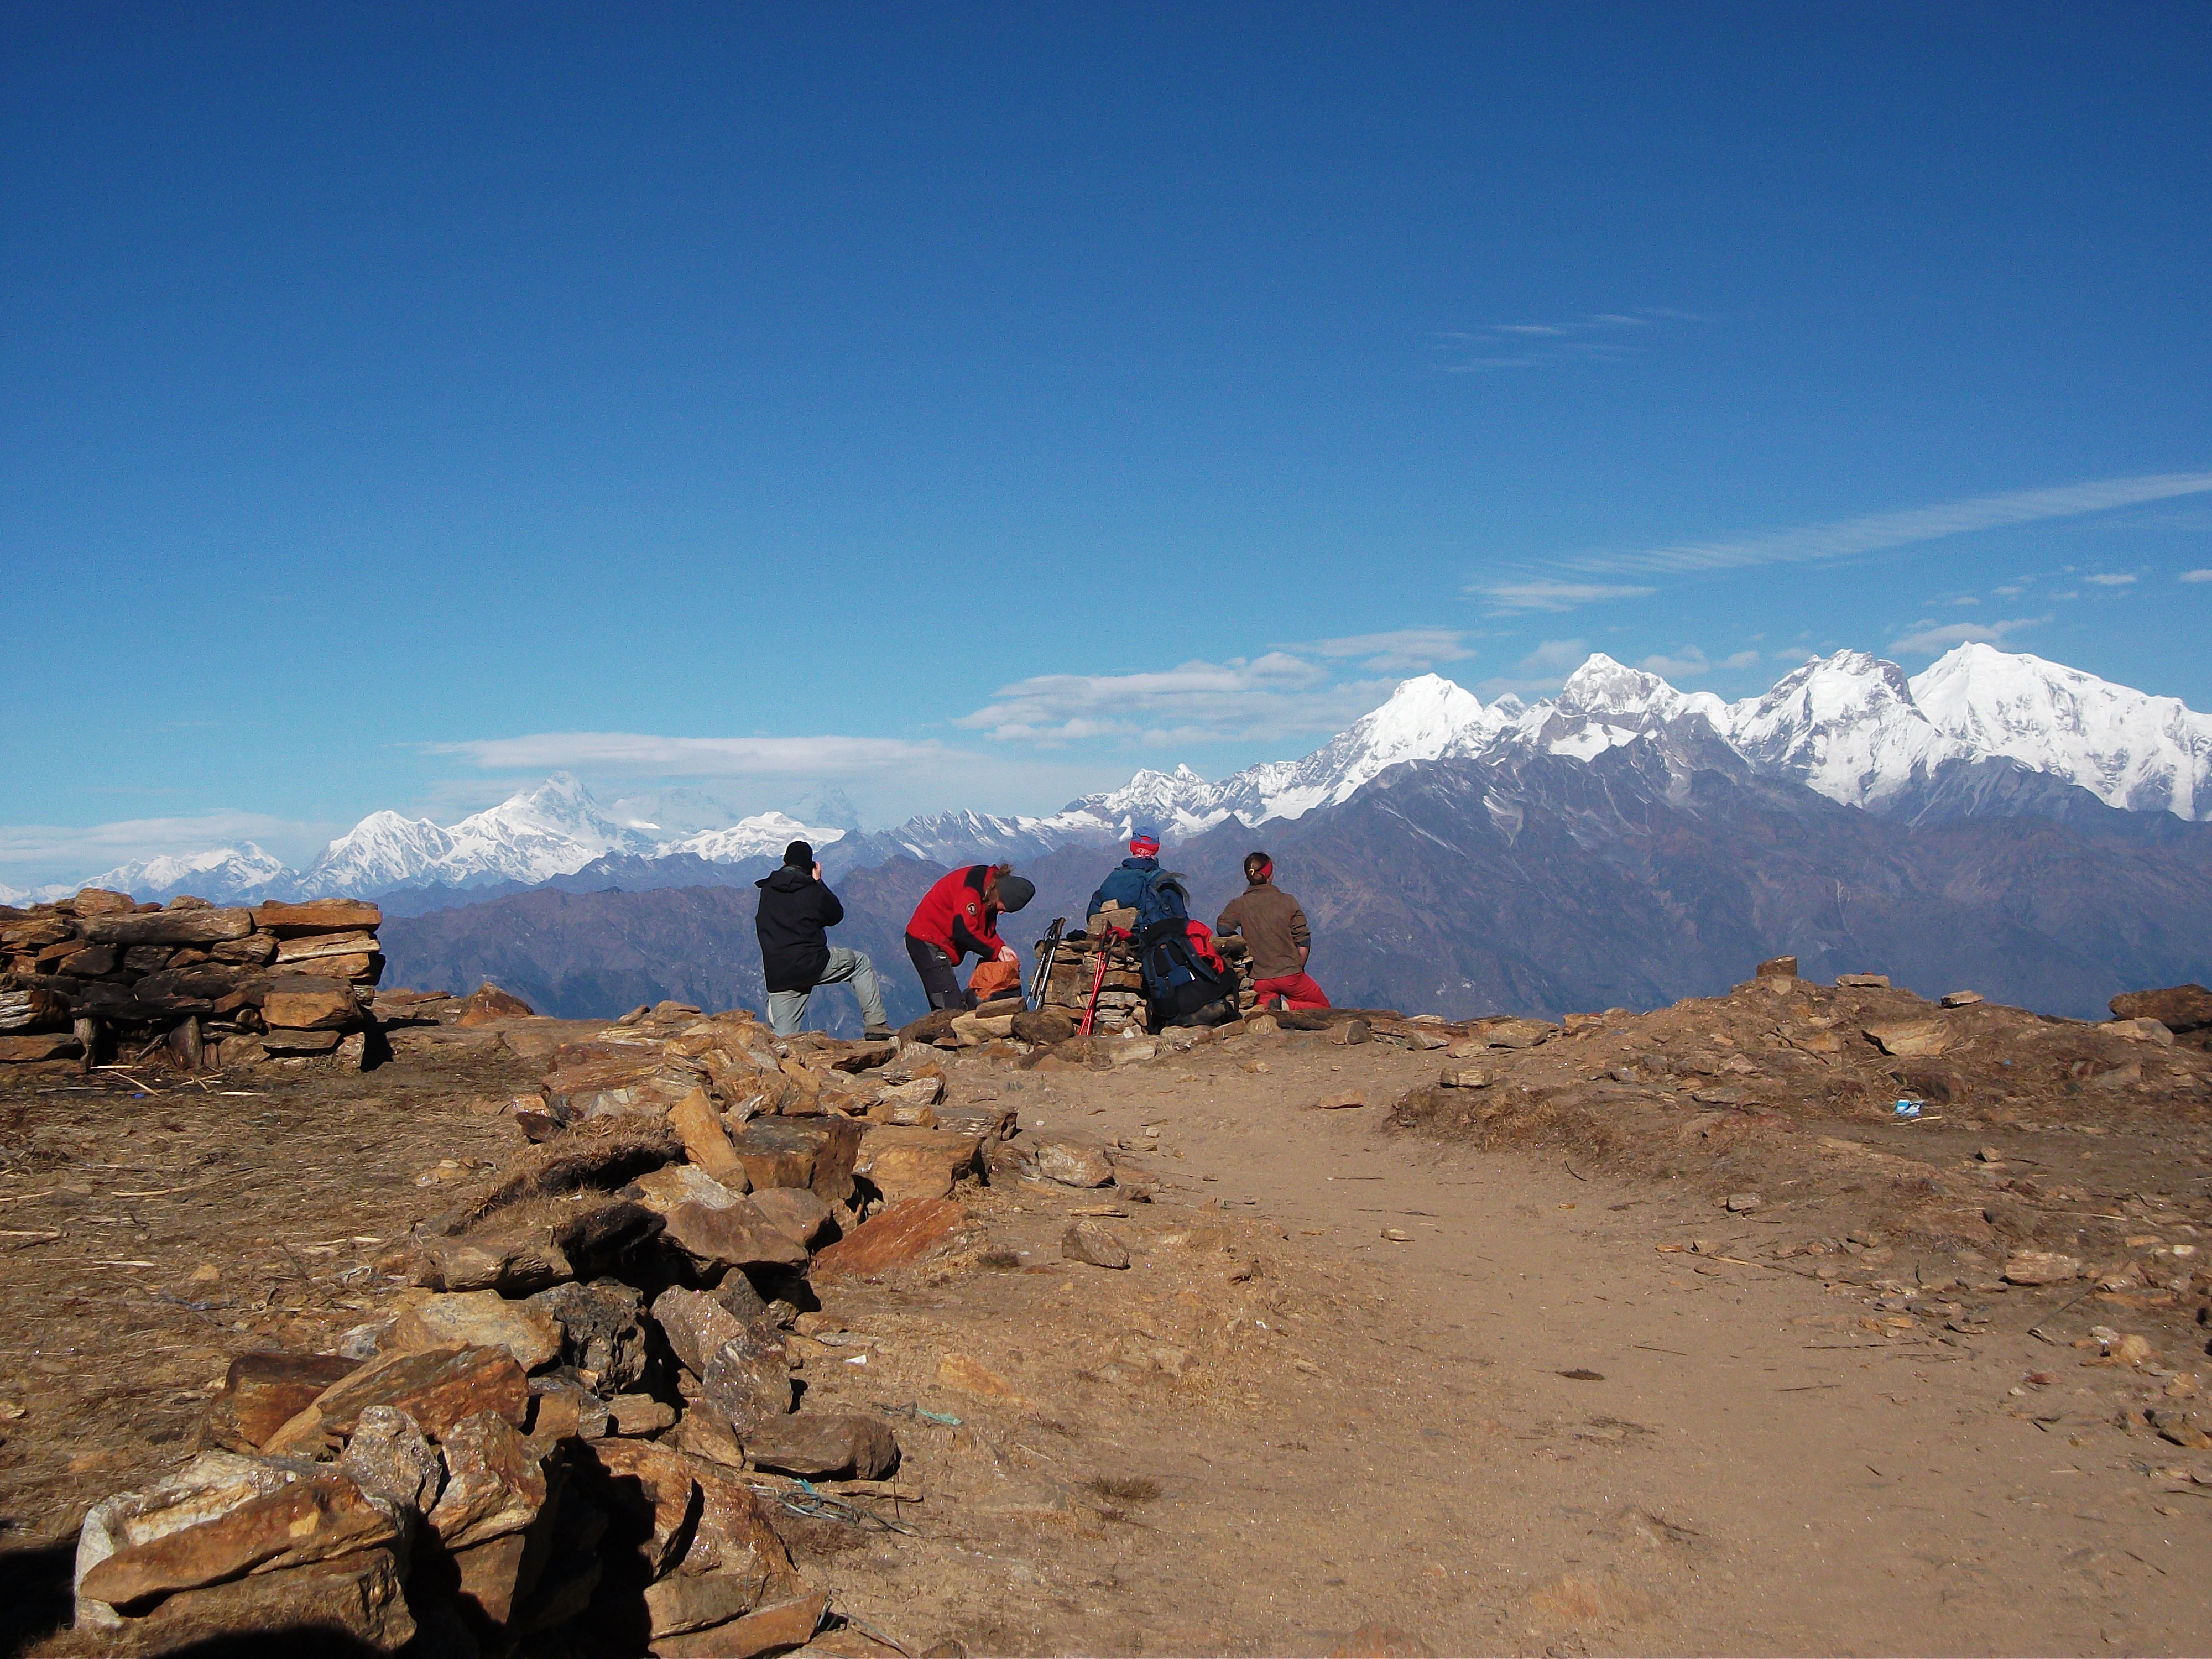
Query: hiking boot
{"points": [[878, 1034]]}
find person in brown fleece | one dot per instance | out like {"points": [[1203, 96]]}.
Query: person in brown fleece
{"points": [[1273, 927]]}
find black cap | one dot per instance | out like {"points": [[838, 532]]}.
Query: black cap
{"points": [[1015, 891], [799, 854]]}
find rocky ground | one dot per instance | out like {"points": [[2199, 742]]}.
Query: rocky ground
{"points": [[1659, 1332]]}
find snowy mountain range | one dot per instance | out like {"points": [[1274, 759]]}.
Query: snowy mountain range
{"points": [[1851, 726]]}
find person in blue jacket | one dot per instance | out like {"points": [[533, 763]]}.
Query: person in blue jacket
{"points": [[1127, 882]]}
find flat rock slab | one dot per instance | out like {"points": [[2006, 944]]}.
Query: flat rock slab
{"points": [[903, 1163], [739, 1234], [1074, 1160], [485, 1319], [191, 927], [310, 1520], [832, 1445], [770, 1630], [2178, 1007], [1519, 1033], [352, 1603], [263, 1392], [436, 1387], [1908, 1038], [896, 1234], [2041, 1268], [1088, 1242]]}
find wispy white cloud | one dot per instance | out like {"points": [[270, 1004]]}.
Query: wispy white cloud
{"points": [[1597, 337], [1690, 663], [645, 754], [1271, 696], [1927, 639], [1399, 650], [2197, 576], [1877, 532], [2116, 580], [1509, 598]]}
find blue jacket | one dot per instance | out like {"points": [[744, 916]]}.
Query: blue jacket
{"points": [[1124, 885]]}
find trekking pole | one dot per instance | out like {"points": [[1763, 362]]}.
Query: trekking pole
{"points": [[1106, 936], [1043, 975]]}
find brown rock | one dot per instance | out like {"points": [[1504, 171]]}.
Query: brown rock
{"points": [[494, 1483], [493, 1578], [1465, 1077], [2041, 1268], [389, 1457], [356, 1598], [1350, 1032], [684, 1601], [1961, 998], [795, 1211], [895, 1235], [488, 1002], [1519, 1033], [2178, 1007], [648, 1486], [263, 1392], [1087, 1241], [2139, 1030], [602, 1330], [818, 1153], [436, 1387], [299, 1044], [1044, 1025], [771, 1630], [101, 901], [1343, 1100], [743, 1367], [705, 1142], [732, 1533], [483, 1318], [26, 1050], [313, 947], [1776, 967], [1074, 1160], [1863, 982], [318, 916], [299, 1007], [737, 1234], [314, 1519], [203, 927], [255, 950], [1910, 1036], [904, 1163], [830, 1445]]}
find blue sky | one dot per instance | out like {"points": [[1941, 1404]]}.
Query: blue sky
{"points": [[964, 405]]}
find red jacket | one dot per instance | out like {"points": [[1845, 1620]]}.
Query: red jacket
{"points": [[953, 916]]}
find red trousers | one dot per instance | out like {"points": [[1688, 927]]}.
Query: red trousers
{"points": [[1296, 991]]}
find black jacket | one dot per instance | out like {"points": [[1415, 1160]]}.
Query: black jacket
{"points": [[794, 909]]}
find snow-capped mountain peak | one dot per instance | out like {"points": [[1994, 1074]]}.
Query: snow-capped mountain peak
{"points": [[2128, 748], [765, 834], [1845, 725]]}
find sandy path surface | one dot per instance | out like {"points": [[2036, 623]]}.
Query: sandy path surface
{"points": [[1752, 1470]]}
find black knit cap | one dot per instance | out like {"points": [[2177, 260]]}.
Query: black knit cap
{"points": [[799, 854], [1015, 891]]}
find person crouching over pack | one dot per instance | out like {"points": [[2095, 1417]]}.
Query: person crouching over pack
{"points": [[1274, 928], [959, 917]]}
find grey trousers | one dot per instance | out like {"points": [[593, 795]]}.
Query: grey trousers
{"points": [[787, 1010]]}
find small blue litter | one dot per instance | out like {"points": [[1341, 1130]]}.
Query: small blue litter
{"points": [[1908, 1109]]}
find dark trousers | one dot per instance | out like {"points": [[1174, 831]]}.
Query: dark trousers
{"points": [[940, 981]]}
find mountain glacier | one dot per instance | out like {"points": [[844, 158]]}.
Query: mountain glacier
{"points": [[1980, 730]]}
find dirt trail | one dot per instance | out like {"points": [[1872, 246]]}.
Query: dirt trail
{"points": [[1277, 1429], [1750, 1472]]}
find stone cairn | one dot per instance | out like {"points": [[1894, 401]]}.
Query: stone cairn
{"points": [[571, 1424], [1121, 994], [100, 976]]}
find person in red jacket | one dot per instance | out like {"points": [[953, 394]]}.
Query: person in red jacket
{"points": [[959, 917]]}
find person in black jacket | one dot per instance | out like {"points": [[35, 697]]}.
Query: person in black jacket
{"points": [[795, 911]]}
